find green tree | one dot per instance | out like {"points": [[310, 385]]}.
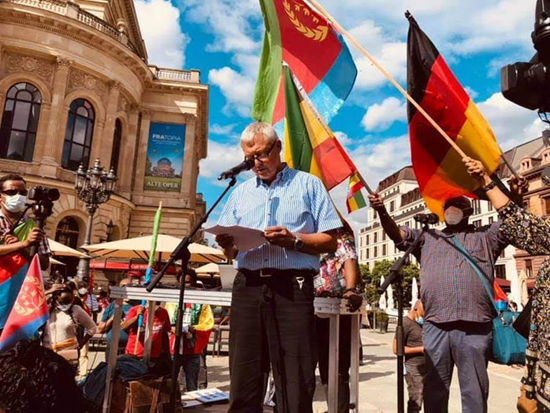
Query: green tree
{"points": [[372, 278]]}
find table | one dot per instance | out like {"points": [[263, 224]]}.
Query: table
{"points": [[332, 307]]}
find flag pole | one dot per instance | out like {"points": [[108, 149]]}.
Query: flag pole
{"points": [[394, 82], [143, 302], [323, 123], [388, 76]]}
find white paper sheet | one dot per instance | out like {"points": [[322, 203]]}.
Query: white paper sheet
{"points": [[244, 238]]}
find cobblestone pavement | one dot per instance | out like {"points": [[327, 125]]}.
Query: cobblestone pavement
{"points": [[378, 388]]}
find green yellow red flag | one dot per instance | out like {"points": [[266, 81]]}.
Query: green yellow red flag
{"points": [[355, 199], [438, 167], [310, 145]]}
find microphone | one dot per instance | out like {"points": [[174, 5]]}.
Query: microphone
{"points": [[245, 165], [431, 219]]}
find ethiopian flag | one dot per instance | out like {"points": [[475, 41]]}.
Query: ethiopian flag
{"points": [[310, 145], [438, 167], [355, 199], [300, 37]]}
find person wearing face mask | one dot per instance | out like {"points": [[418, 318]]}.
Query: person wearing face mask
{"points": [[61, 331], [13, 197], [415, 365], [458, 312]]}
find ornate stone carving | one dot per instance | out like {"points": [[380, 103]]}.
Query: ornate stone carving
{"points": [[123, 104], [189, 118], [113, 84], [80, 80], [15, 62], [63, 63]]}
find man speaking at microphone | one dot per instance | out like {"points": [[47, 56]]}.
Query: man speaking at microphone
{"points": [[272, 305]]}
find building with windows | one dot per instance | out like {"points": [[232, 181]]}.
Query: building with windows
{"points": [[75, 86], [403, 200]]}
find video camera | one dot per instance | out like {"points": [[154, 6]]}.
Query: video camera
{"points": [[43, 194], [528, 83]]}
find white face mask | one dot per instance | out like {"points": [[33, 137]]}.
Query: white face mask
{"points": [[453, 215], [82, 291], [15, 203], [63, 307]]}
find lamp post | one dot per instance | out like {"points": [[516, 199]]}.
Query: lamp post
{"points": [[93, 187]]}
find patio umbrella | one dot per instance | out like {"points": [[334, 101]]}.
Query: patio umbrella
{"points": [[139, 247], [208, 269], [53, 261], [62, 250], [382, 302], [391, 304], [414, 293]]}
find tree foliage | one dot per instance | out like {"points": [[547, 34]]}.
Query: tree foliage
{"points": [[371, 280]]}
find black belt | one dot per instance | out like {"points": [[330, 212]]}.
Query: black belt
{"points": [[273, 272]]}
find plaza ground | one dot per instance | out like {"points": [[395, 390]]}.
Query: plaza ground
{"points": [[378, 377]]}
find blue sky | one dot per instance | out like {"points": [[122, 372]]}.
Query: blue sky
{"points": [[223, 38]]}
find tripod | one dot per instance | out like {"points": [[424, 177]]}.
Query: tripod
{"points": [[396, 278], [182, 252]]}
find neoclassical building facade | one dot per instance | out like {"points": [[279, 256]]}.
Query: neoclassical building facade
{"points": [[76, 86]]}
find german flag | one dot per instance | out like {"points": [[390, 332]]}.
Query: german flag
{"points": [[438, 167], [310, 145]]}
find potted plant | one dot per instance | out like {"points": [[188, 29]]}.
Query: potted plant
{"points": [[382, 320]]}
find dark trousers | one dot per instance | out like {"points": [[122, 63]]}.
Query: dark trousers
{"points": [[322, 331], [466, 345], [415, 387], [190, 367], [272, 319]]}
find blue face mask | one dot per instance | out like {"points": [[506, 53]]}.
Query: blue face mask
{"points": [[420, 320]]}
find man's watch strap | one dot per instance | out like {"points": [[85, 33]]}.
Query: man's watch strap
{"points": [[298, 243]]}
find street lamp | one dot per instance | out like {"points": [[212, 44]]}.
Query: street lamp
{"points": [[93, 187]]}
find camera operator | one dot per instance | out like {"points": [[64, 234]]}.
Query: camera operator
{"points": [[13, 197]]}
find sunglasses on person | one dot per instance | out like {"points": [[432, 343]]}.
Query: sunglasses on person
{"points": [[262, 156], [13, 192]]}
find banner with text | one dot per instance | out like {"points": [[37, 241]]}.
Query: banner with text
{"points": [[164, 165]]}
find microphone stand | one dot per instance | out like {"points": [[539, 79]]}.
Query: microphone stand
{"points": [[396, 277], [182, 251]]}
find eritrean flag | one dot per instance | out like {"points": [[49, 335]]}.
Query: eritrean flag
{"points": [[310, 146], [30, 310], [355, 199], [317, 55], [13, 268], [437, 166]]}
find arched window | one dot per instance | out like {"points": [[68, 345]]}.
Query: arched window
{"points": [[20, 122], [67, 232], [78, 136], [117, 142]]}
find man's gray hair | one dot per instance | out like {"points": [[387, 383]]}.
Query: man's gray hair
{"points": [[259, 128]]}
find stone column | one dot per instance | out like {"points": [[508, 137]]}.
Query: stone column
{"points": [[142, 152], [127, 152], [47, 152], [188, 160], [106, 142]]}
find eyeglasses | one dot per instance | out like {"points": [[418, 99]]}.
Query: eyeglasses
{"points": [[262, 157], [12, 192]]}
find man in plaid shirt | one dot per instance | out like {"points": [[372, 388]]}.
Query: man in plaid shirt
{"points": [[13, 197], [458, 311]]}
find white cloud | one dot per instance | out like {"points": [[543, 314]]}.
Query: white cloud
{"points": [[380, 116], [375, 162], [222, 129], [220, 158], [471, 92], [165, 41], [511, 123], [237, 89]]}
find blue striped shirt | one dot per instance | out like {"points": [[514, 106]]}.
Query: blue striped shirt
{"points": [[295, 200]]}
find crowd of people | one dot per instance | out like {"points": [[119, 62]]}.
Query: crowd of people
{"points": [[309, 252]]}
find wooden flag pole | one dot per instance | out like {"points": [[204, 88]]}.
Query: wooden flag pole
{"points": [[322, 121], [388, 76], [392, 80]]}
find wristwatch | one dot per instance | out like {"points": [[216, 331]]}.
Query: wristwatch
{"points": [[489, 186], [298, 244]]}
